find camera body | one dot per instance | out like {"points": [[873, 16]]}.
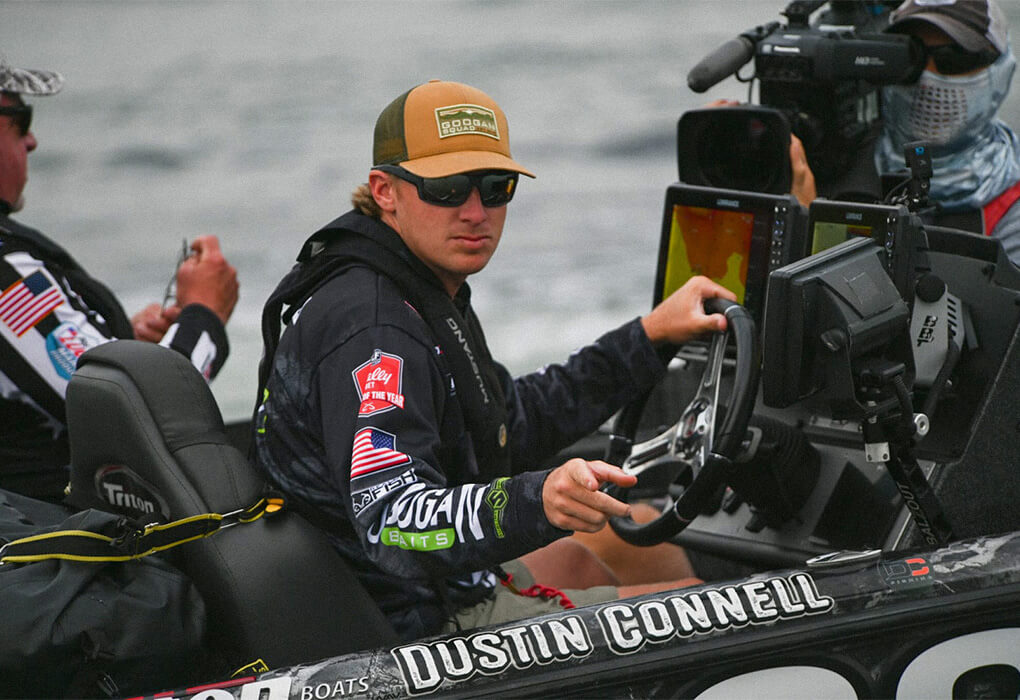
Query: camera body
{"points": [[819, 80]]}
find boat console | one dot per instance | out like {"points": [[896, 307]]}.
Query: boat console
{"points": [[885, 346]]}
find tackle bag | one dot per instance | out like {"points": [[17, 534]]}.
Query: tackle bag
{"points": [[86, 629]]}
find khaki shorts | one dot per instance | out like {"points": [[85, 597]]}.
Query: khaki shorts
{"points": [[507, 606]]}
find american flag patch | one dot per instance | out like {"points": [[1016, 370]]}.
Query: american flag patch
{"points": [[28, 301], [374, 451]]}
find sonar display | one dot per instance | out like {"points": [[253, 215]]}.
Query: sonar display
{"points": [[711, 242]]}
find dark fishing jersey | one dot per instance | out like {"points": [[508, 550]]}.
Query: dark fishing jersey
{"points": [[51, 311], [364, 419]]}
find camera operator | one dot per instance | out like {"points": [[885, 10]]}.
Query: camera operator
{"points": [[952, 106]]}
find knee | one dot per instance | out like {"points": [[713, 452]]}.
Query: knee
{"points": [[567, 563]]}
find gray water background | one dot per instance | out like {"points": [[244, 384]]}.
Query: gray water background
{"points": [[253, 121]]}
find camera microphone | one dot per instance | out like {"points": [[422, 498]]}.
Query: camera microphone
{"points": [[727, 59]]}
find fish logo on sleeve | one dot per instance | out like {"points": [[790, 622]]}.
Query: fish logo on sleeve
{"points": [[379, 383]]}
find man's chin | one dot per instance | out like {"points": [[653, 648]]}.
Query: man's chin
{"points": [[19, 204]]}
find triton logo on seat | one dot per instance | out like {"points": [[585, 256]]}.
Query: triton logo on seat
{"points": [[121, 488], [117, 496]]}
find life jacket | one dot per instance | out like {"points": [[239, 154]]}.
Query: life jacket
{"points": [[983, 220], [358, 240]]}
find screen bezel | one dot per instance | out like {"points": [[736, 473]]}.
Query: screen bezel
{"points": [[765, 209], [889, 229]]}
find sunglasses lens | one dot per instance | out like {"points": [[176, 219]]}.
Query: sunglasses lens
{"points": [[449, 191], [952, 60], [21, 116], [496, 190]]}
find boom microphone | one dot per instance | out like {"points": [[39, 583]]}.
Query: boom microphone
{"points": [[721, 63], [727, 59]]}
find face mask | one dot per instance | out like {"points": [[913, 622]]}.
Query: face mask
{"points": [[974, 155], [946, 110]]}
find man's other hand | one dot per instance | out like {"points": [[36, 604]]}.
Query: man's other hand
{"points": [[681, 316], [572, 499], [151, 323], [802, 185], [207, 278]]}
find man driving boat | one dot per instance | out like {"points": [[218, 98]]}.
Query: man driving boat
{"points": [[383, 416]]}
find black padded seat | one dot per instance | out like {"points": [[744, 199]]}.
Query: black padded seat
{"points": [[147, 437]]}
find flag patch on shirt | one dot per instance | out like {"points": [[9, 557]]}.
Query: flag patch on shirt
{"points": [[28, 301], [379, 382], [375, 450]]}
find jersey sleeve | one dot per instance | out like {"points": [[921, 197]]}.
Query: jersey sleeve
{"points": [[554, 407], [200, 336], [382, 397]]}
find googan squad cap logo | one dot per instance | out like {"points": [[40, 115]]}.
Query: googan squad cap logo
{"points": [[458, 120]]}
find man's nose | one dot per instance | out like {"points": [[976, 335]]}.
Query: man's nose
{"points": [[473, 209], [30, 142]]}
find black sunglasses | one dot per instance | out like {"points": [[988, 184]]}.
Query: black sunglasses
{"points": [[21, 115], [496, 187], [951, 59]]}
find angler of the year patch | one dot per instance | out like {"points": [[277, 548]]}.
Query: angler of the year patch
{"points": [[379, 383]]}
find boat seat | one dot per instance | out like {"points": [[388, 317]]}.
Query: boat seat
{"points": [[147, 440]]}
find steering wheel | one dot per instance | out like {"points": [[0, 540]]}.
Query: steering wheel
{"points": [[700, 446]]}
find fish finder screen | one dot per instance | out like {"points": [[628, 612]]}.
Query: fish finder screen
{"points": [[825, 234], [709, 242], [831, 223], [732, 237]]}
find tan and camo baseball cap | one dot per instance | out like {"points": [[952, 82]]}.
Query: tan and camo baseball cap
{"points": [[441, 128]]}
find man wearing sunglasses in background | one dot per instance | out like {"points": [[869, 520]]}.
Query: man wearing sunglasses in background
{"points": [[386, 421], [51, 311], [952, 106]]}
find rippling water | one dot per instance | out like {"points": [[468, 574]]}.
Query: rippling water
{"points": [[253, 121]]}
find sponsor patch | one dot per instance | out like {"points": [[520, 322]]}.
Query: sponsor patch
{"points": [[379, 382], [375, 450], [366, 497], [28, 301], [65, 344], [457, 120], [421, 509], [428, 541], [498, 499]]}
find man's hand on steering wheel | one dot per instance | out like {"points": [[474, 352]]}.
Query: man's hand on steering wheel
{"points": [[681, 316], [702, 444]]}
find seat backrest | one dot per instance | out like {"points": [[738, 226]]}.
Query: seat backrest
{"points": [[147, 439]]}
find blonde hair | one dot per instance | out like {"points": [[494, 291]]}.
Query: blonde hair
{"points": [[364, 202]]}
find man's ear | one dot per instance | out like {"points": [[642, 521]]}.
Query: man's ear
{"points": [[383, 191]]}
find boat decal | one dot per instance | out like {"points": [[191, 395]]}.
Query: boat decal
{"points": [[629, 626]]}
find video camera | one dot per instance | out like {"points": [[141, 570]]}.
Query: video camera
{"points": [[818, 79]]}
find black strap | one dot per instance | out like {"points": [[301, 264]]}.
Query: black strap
{"points": [[128, 541]]}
